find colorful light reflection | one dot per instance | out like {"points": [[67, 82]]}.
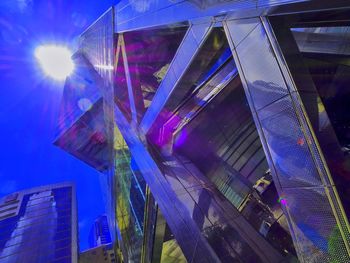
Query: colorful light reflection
{"points": [[282, 201]]}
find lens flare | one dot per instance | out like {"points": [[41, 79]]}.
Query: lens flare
{"points": [[55, 61]]}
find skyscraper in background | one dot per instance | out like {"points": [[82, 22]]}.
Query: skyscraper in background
{"points": [[99, 254], [39, 225], [99, 232], [221, 128]]}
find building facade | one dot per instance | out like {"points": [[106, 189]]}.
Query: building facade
{"points": [[39, 225], [99, 254], [99, 232], [222, 128]]}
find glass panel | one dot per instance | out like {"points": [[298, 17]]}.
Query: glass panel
{"points": [[82, 128], [211, 56], [165, 248], [150, 53], [81, 91], [121, 95], [171, 252], [98, 44], [137, 194], [130, 202]]}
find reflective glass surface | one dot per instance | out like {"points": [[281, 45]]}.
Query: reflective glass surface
{"points": [[149, 54], [41, 231], [211, 55], [81, 127], [130, 201], [80, 93], [121, 94], [171, 252], [97, 43]]}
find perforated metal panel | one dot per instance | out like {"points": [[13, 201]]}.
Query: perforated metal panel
{"points": [[255, 50], [288, 146], [316, 229], [319, 228]]}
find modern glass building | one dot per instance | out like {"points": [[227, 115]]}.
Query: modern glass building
{"points": [[99, 254], [39, 225], [221, 128], [99, 232]]}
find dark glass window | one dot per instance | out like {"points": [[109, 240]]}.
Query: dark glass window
{"points": [[149, 54], [212, 55], [214, 52]]}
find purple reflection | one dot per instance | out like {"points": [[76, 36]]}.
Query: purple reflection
{"points": [[181, 138], [164, 134], [282, 201], [149, 54], [121, 95]]}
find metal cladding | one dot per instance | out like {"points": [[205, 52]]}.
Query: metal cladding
{"points": [[221, 128]]}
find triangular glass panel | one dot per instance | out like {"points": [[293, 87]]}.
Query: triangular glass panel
{"points": [[150, 53], [121, 95]]}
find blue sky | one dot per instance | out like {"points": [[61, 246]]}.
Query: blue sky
{"points": [[29, 101]]}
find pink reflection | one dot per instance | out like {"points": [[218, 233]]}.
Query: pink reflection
{"points": [[282, 201]]}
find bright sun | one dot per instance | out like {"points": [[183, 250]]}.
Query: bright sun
{"points": [[55, 61]]}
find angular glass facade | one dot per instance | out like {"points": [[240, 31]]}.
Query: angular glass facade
{"points": [[226, 129], [39, 225], [148, 54]]}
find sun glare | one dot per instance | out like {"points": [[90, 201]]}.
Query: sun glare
{"points": [[55, 61]]}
